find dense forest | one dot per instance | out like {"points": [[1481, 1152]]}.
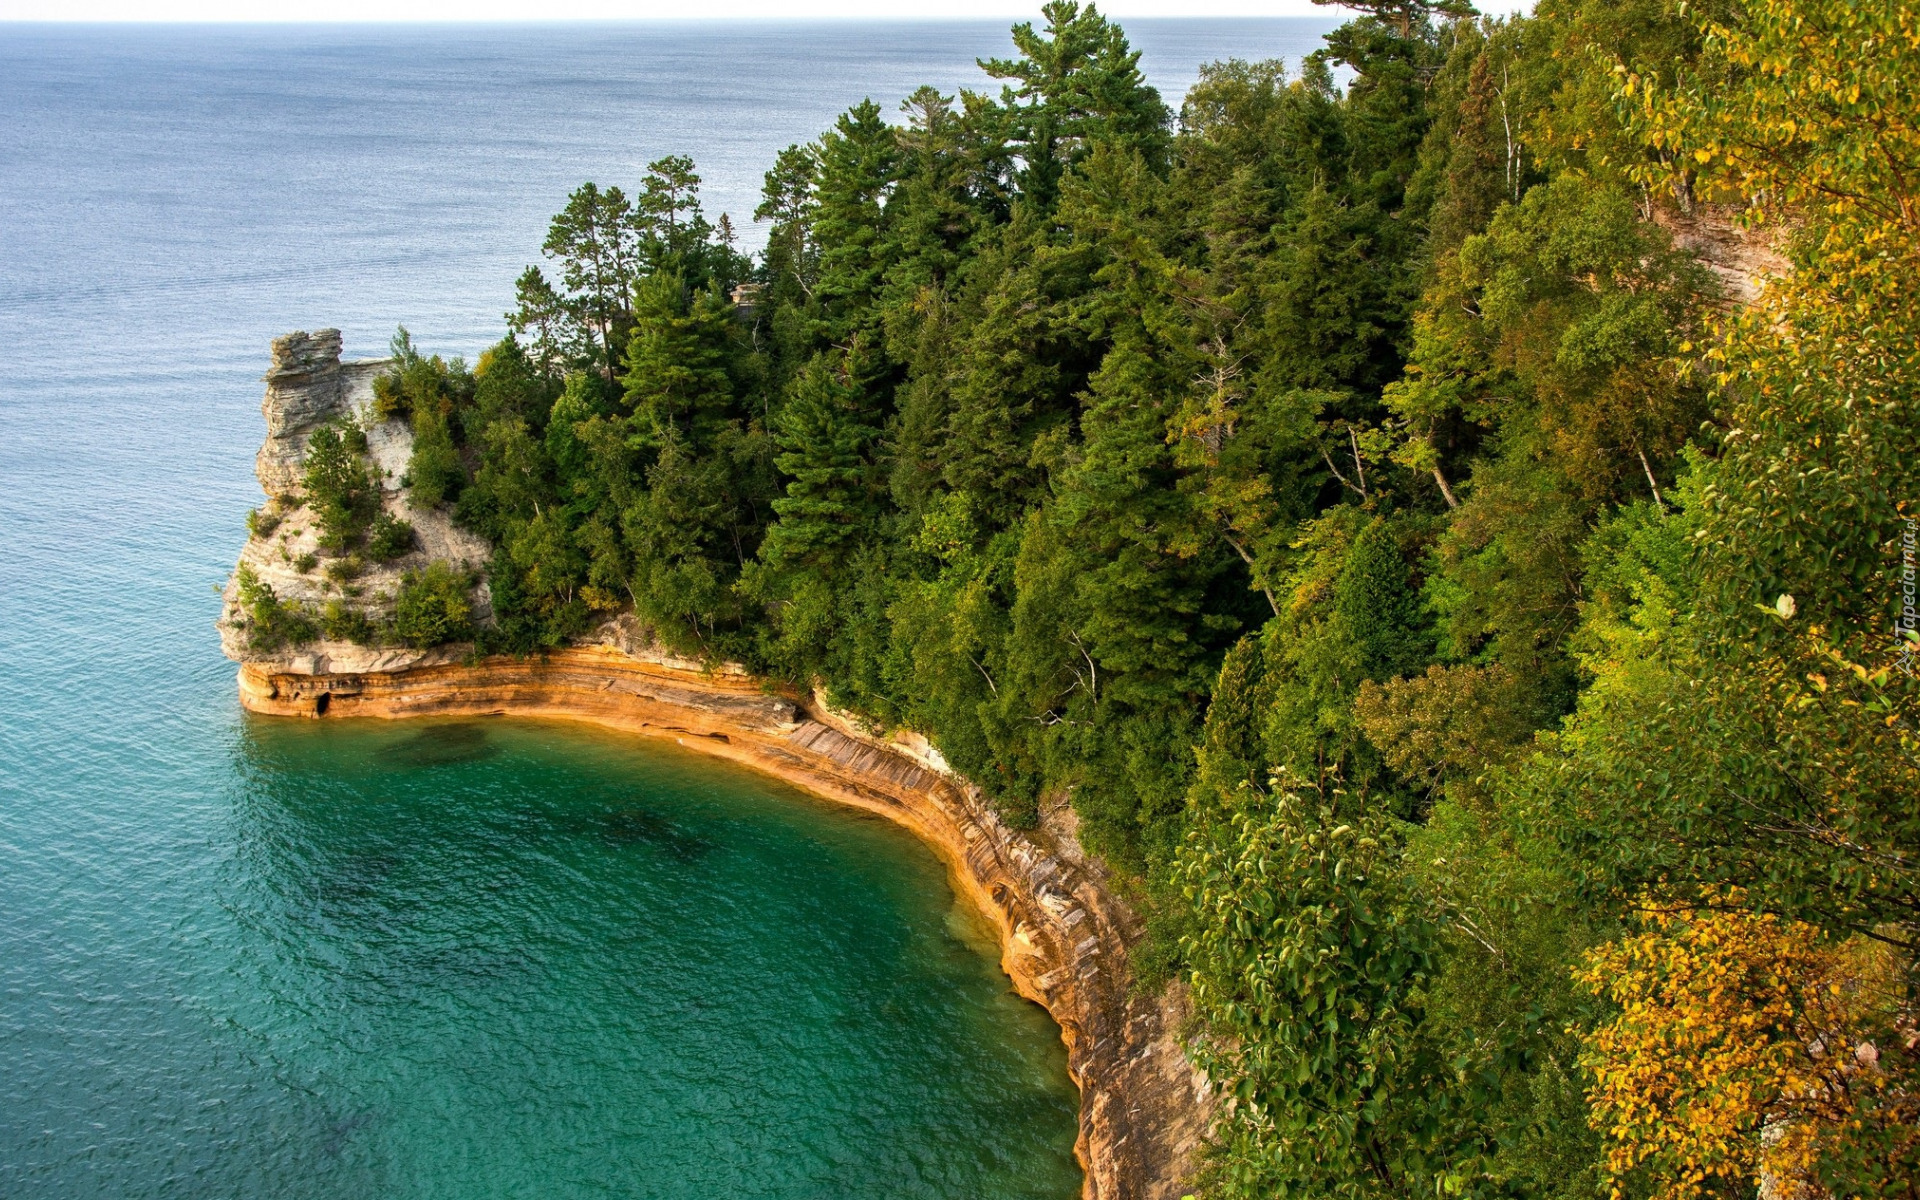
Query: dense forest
{"points": [[1479, 632]]}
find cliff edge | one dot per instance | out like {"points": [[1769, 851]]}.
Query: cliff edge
{"points": [[1065, 938], [309, 386]]}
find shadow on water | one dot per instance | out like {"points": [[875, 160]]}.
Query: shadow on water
{"points": [[340, 1132], [633, 826], [439, 746], [353, 878]]}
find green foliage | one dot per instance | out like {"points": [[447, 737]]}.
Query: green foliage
{"points": [[1310, 958], [270, 622], [411, 382], [341, 622], [604, 245], [432, 607], [1375, 598], [1077, 84], [597, 246], [434, 472], [1448, 724], [1404, 15], [340, 492], [676, 380], [428, 392], [823, 450], [1356, 500], [389, 537]]}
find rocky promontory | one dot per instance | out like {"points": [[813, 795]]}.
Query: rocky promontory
{"points": [[308, 386], [1065, 937]]}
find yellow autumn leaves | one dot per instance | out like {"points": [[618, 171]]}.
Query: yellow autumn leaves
{"points": [[1747, 1049], [1821, 110], [1744, 1050]]}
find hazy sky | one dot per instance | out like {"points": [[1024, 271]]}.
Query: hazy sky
{"points": [[547, 10]]}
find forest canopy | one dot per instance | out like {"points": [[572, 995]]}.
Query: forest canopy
{"points": [[1441, 513]]}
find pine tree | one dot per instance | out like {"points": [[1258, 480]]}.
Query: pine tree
{"points": [[1329, 322], [825, 438], [676, 236], [858, 164], [1404, 16], [677, 383], [791, 262], [597, 245], [1078, 83], [951, 186], [546, 325], [1014, 373], [1380, 607]]}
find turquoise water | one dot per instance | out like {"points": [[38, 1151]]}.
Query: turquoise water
{"points": [[511, 958], [245, 957]]}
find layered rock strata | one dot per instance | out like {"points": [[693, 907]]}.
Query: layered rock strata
{"points": [[309, 386], [1064, 937]]}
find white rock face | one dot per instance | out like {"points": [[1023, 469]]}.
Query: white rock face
{"points": [[307, 387], [624, 634]]}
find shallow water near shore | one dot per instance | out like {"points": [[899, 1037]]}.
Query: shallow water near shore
{"points": [[507, 957], [346, 959], [515, 957]]}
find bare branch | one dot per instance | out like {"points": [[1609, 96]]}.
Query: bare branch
{"points": [[1648, 468], [1093, 672], [1248, 559], [1338, 475], [983, 674]]}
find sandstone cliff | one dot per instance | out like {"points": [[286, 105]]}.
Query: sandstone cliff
{"points": [[1065, 938], [307, 387], [1742, 257]]}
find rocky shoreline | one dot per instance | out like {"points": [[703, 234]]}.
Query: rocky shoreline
{"points": [[1065, 938]]}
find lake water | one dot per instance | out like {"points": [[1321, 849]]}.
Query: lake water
{"points": [[247, 957]]}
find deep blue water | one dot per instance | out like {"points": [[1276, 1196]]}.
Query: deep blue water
{"points": [[243, 957]]}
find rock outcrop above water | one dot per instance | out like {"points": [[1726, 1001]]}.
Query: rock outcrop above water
{"points": [[309, 386], [1065, 938]]}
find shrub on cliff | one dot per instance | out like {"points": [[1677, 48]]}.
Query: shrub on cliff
{"points": [[432, 607], [340, 491], [341, 622], [270, 622], [434, 474], [389, 538], [426, 391], [418, 383]]}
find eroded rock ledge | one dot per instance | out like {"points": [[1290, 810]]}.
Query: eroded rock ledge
{"points": [[1064, 940]]}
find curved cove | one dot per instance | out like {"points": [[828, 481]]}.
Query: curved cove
{"points": [[514, 957]]}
